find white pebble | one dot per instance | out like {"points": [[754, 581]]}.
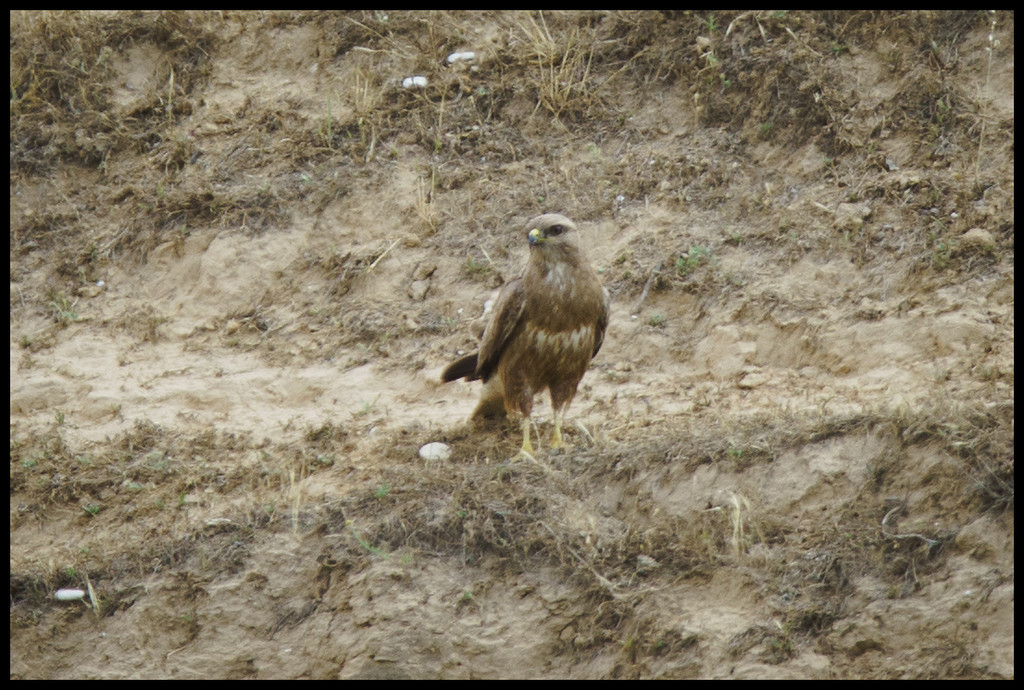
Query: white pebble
{"points": [[467, 56], [417, 82], [436, 451], [70, 594]]}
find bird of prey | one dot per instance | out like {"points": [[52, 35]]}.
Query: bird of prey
{"points": [[545, 328]]}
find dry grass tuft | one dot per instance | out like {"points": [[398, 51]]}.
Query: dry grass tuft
{"points": [[565, 85]]}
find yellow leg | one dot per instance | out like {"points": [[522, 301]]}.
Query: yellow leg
{"points": [[527, 448], [556, 438]]}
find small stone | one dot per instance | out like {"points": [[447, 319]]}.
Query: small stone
{"points": [[436, 451], [851, 216], [418, 290], [423, 271], [92, 290], [978, 238], [644, 562], [464, 56]]}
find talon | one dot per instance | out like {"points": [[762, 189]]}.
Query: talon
{"points": [[522, 454], [556, 439]]}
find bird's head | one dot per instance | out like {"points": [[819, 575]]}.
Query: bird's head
{"points": [[551, 230]]}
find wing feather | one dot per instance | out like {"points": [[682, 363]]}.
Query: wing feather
{"points": [[464, 367], [602, 323], [508, 312]]}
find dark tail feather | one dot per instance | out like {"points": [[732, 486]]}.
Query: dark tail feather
{"points": [[461, 368]]}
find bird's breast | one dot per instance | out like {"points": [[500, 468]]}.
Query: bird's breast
{"points": [[558, 343]]}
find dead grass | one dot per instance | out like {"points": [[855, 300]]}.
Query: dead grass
{"points": [[482, 510], [59, 77]]}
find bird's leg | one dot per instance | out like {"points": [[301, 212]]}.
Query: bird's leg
{"points": [[527, 446], [556, 438], [519, 407], [527, 449]]}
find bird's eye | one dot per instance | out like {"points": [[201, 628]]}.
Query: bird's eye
{"points": [[555, 230]]}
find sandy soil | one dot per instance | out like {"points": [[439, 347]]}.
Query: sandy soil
{"points": [[241, 253]]}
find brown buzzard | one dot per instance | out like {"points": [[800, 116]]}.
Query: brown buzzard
{"points": [[545, 329]]}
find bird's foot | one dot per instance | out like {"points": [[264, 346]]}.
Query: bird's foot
{"points": [[527, 450], [523, 454], [559, 445], [557, 442]]}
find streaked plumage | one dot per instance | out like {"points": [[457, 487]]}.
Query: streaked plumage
{"points": [[545, 329]]}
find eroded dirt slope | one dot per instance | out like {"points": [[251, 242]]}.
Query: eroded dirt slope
{"points": [[241, 253]]}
